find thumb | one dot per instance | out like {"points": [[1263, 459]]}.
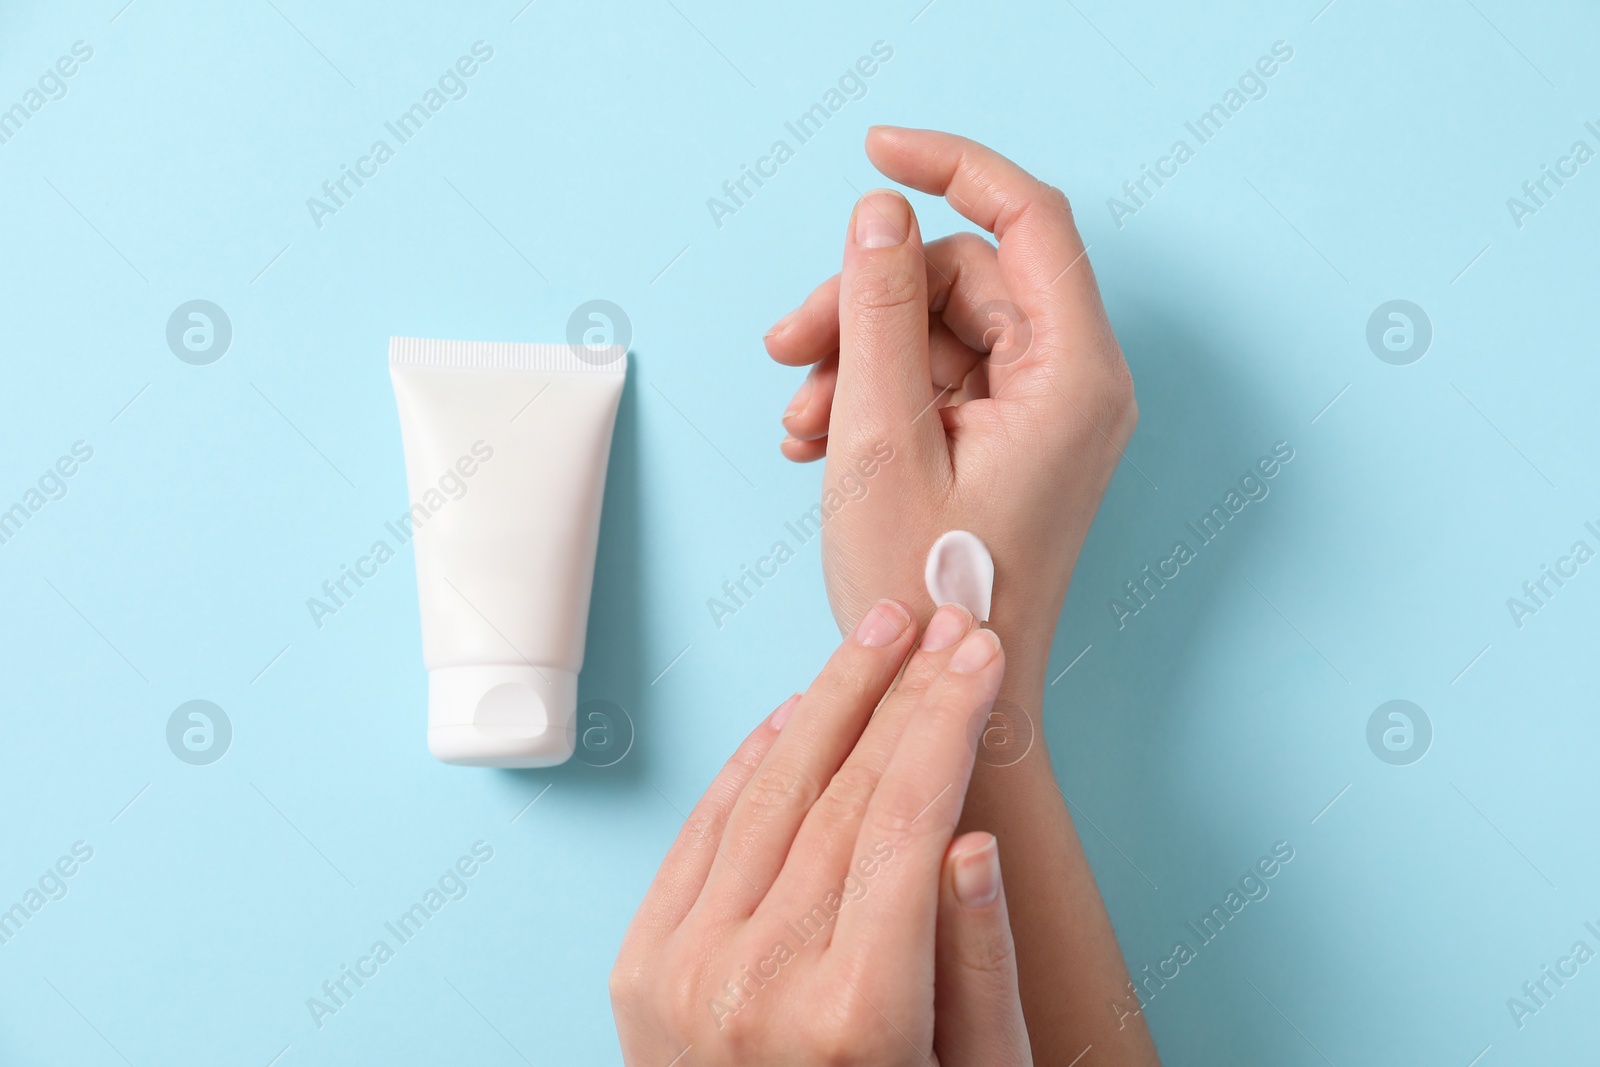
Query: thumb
{"points": [[977, 1008]]}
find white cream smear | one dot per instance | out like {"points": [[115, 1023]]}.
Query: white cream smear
{"points": [[961, 571]]}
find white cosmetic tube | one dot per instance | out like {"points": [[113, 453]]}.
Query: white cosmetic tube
{"points": [[506, 448]]}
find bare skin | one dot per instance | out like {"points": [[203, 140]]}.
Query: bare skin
{"points": [[817, 907], [992, 380]]}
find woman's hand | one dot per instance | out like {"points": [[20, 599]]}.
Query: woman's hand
{"points": [[989, 377], [796, 917], [962, 386]]}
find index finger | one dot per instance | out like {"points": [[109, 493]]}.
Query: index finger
{"points": [[1042, 257], [819, 735], [914, 809]]}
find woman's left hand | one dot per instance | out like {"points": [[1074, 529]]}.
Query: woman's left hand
{"points": [[814, 908]]}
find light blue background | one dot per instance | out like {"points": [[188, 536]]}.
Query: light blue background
{"points": [[1222, 719]]}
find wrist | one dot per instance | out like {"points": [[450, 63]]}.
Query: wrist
{"points": [[1027, 649], [1012, 748], [1027, 628]]}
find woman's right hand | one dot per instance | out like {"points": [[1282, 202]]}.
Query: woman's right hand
{"points": [[815, 893]]}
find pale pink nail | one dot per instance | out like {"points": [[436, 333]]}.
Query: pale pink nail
{"points": [[785, 709], [977, 875], [802, 396], [883, 219], [946, 627], [976, 652], [886, 621]]}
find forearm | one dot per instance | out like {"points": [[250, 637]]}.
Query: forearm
{"points": [[1071, 972]]}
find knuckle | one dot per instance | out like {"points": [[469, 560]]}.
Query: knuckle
{"points": [[967, 244], [832, 1043], [870, 428], [903, 820], [1055, 198], [848, 794], [702, 825], [745, 759], [742, 1032], [626, 983], [778, 788], [988, 957], [854, 1038], [835, 1048], [739, 769], [919, 676], [1114, 400], [881, 291], [859, 1026]]}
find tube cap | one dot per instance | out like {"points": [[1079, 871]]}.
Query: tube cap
{"points": [[502, 715]]}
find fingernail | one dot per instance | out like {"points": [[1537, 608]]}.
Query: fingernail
{"points": [[783, 323], [946, 627], [883, 219], [975, 653], [802, 396], [977, 875], [886, 621], [785, 709]]}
